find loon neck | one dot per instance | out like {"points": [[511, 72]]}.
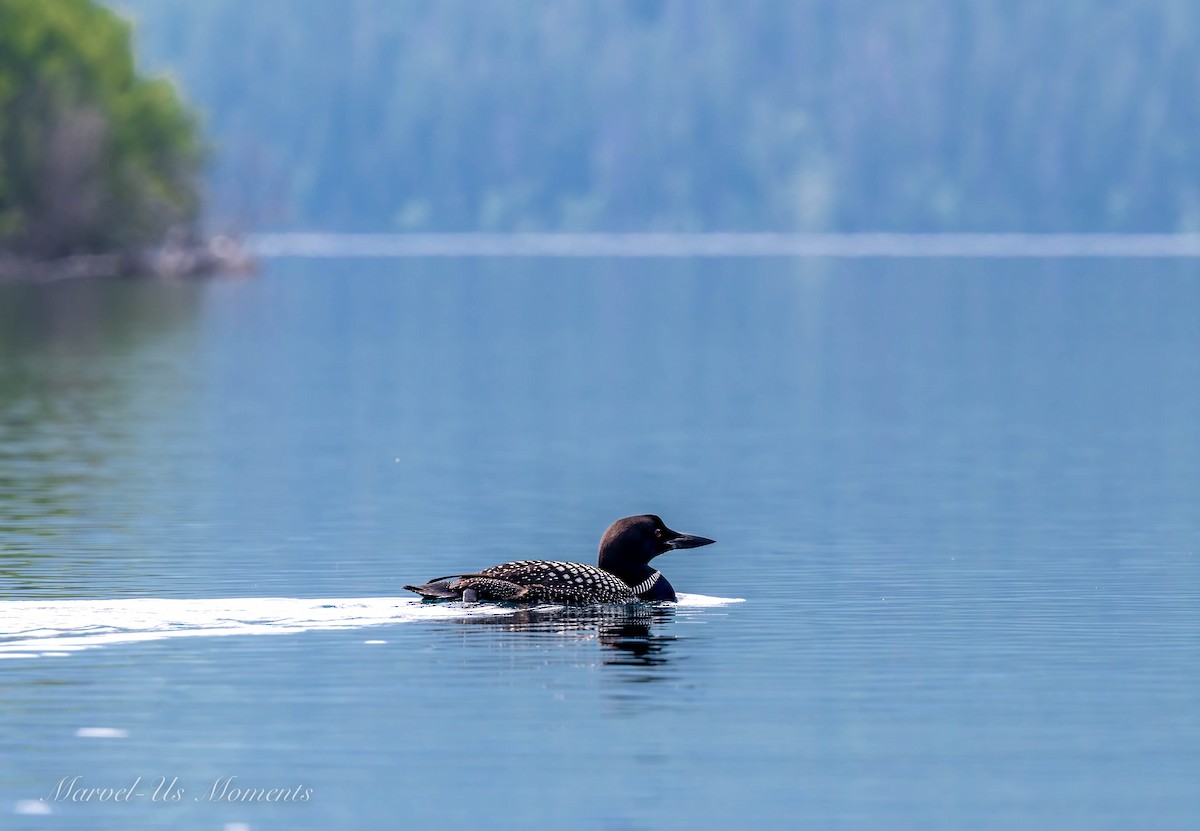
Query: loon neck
{"points": [[631, 573]]}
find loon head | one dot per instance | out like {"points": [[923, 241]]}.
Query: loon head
{"points": [[629, 545]]}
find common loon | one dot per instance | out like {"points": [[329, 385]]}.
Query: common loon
{"points": [[624, 572]]}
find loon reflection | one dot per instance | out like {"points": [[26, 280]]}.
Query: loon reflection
{"points": [[626, 630]]}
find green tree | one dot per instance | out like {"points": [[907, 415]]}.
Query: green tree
{"points": [[93, 158]]}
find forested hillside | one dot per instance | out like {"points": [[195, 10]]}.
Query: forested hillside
{"points": [[692, 114]]}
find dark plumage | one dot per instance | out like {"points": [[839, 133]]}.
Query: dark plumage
{"points": [[624, 573]]}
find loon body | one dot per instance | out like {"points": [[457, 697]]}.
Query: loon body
{"points": [[623, 574]]}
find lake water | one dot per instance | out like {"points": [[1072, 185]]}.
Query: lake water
{"points": [[958, 499]]}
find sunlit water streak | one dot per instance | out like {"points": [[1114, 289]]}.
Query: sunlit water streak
{"points": [[655, 245], [34, 628]]}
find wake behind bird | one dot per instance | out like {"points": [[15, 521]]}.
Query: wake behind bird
{"points": [[50, 628]]}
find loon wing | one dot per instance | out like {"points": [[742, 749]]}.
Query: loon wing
{"points": [[531, 580]]}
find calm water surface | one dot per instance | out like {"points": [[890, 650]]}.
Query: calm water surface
{"points": [[959, 499]]}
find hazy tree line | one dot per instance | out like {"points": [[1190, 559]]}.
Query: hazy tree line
{"points": [[92, 157], [692, 114]]}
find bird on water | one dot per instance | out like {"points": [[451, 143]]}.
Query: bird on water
{"points": [[623, 573]]}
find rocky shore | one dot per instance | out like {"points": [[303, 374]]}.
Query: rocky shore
{"points": [[219, 255]]}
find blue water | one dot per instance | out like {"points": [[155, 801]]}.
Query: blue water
{"points": [[958, 497]]}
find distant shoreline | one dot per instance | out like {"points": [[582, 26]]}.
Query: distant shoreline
{"points": [[217, 255], [722, 244], [226, 255]]}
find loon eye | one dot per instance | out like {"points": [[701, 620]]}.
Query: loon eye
{"points": [[658, 532]]}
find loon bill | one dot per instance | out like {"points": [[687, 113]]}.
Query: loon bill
{"points": [[623, 573]]}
